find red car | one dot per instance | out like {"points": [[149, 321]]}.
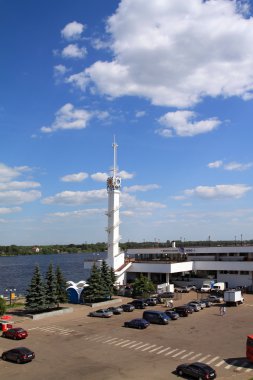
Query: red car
{"points": [[15, 333]]}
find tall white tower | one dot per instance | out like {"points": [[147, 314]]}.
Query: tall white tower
{"points": [[115, 258]]}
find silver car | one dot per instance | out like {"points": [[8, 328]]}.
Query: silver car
{"points": [[102, 313], [195, 305]]}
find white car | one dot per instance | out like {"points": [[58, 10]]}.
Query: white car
{"points": [[102, 313]]}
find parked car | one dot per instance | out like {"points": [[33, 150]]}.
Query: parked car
{"points": [[151, 301], [138, 304], [137, 323], [189, 308], [215, 299], [102, 313], [116, 310], [196, 370], [200, 303], [172, 314], [207, 302], [181, 310], [128, 307], [15, 333], [195, 305], [156, 316], [19, 355]]}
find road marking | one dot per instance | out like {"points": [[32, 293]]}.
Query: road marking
{"points": [[145, 349], [146, 344], [178, 353], [170, 352], [243, 365], [124, 341], [204, 358], [160, 352], [117, 340], [136, 344], [220, 363], [189, 353], [99, 338], [127, 344], [154, 349], [109, 340], [195, 356], [213, 360]]}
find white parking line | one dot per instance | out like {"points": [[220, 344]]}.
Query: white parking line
{"points": [[243, 365], [170, 352], [155, 349], [220, 363], [143, 345], [124, 341], [117, 340], [109, 340], [136, 344], [152, 345], [160, 352], [213, 360], [195, 356], [189, 353], [204, 358], [99, 338], [127, 344], [178, 353]]}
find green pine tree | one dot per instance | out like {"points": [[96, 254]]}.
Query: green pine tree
{"points": [[113, 281], [95, 289], [61, 292], [35, 297], [106, 280], [51, 299]]}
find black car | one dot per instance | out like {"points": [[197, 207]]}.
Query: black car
{"points": [[128, 307], [138, 323], [196, 370], [138, 304], [181, 310], [19, 355], [172, 314]]}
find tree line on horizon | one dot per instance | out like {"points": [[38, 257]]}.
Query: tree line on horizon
{"points": [[14, 250]]}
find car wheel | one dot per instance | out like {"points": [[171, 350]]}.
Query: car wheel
{"points": [[139, 327], [200, 378], [4, 357], [18, 361], [180, 372], [14, 337]]}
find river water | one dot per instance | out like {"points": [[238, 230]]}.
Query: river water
{"points": [[16, 271]]}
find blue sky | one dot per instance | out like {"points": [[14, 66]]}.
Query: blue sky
{"points": [[172, 80]]}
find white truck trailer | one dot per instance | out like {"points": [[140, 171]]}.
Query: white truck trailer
{"points": [[219, 286], [233, 297]]}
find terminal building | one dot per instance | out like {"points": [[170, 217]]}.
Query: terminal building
{"points": [[178, 265]]}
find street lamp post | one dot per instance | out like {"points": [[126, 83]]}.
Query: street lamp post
{"points": [[10, 294]]}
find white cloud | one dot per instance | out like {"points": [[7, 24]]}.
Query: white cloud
{"points": [[215, 164], [231, 166], [125, 175], [60, 70], [73, 51], [9, 210], [72, 31], [18, 197], [237, 166], [79, 80], [140, 113], [76, 197], [78, 177], [167, 52], [7, 173], [78, 213], [181, 123], [130, 201], [16, 185], [69, 117], [99, 177], [219, 191], [132, 189]]}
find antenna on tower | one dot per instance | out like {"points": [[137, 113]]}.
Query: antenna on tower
{"points": [[115, 146]]}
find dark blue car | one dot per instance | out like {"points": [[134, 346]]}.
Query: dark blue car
{"points": [[138, 323]]}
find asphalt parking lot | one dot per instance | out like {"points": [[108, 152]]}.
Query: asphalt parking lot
{"points": [[80, 347]]}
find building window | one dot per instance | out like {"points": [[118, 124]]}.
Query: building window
{"points": [[244, 272]]}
